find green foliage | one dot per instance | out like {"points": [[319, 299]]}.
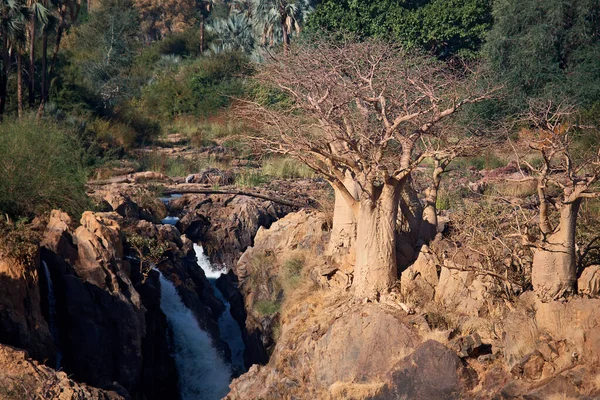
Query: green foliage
{"points": [[547, 49], [444, 27], [40, 169], [291, 274], [267, 307], [103, 51], [201, 87], [149, 251]]}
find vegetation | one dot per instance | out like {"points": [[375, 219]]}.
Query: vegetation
{"points": [[42, 169], [442, 27], [101, 82]]}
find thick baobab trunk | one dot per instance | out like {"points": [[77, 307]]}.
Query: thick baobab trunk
{"points": [[554, 271], [32, 63], [343, 230], [376, 269], [19, 85]]}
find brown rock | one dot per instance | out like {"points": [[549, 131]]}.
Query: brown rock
{"points": [[22, 378], [530, 367], [432, 372], [589, 281]]}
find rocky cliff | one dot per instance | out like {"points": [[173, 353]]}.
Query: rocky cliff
{"points": [[442, 334]]}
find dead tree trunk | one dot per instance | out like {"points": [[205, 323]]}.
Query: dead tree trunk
{"points": [[554, 271]]}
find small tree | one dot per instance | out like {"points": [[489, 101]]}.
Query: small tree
{"points": [[566, 176], [149, 251], [363, 116]]}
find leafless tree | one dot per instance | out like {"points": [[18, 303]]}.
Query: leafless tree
{"points": [[363, 115], [566, 176]]}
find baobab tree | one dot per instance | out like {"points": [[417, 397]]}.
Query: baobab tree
{"points": [[358, 114], [566, 177]]}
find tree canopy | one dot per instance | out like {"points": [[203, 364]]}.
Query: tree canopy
{"points": [[548, 49], [444, 27]]}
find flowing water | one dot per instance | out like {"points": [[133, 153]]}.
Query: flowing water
{"points": [[228, 328], [52, 312], [170, 221], [203, 375]]}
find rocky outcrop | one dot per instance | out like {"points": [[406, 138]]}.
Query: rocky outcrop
{"points": [[224, 224], [23, 378], [432, 371], [22, 322], [258, 272], [588, 283], [99, 310]]}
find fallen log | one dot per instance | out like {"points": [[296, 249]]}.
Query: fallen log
{"points": [[198, 190]]}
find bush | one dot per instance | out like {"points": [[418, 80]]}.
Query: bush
{"points": [[40, 169], [292, 273], [267, 307], [201, 87]]}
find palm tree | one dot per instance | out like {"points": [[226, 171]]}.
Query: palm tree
{"points": [[204, 7], [234, 33], [280, 18], [39, 14], [12, 30]]}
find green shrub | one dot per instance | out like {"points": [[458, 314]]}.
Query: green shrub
{"points": [[292, 273], [40, 169], [267, 307], [200, 87]]}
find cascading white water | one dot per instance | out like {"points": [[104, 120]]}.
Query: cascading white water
{"points": [[170, 221], [203, 375], [229, 329], [52, 312]]}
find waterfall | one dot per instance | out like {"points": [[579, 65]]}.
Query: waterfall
{"points": [[202, 373], [170, 221], [52, 312], [229, 329]]}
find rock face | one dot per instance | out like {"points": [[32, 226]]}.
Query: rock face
{"points": [[432, 372], [589, 281], [257, 271], [224, 224], [100, 312], [23, 378], [22, 322]]}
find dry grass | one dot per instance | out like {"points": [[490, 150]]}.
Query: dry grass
{"points": [[437, 335], [513, 189], [353, 391]]}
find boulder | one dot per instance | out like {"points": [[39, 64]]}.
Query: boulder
{"points": [[22, 311], [23, 378], [589, 281], [530, 367], [432, 371], [212, 176], [470, 346], [420, 279]]}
